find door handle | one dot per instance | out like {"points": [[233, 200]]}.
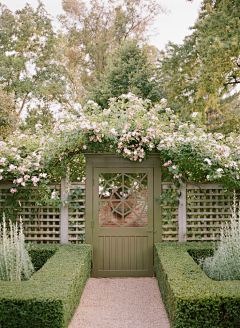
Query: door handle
{"points": [[149, 231]]}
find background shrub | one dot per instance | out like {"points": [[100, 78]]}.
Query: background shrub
{"points": [[225, 263], [15, 262]]}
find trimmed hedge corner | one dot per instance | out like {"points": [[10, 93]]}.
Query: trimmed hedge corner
{"points": [[39, 254], [191, 299], [50, 297]]}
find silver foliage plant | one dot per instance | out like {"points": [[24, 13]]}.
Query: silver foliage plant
{"points": [[15, 262], [225, 263]]}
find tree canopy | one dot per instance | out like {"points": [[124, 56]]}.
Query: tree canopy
{"points": [[128, 70], [95, 32], [205, 69], [8, 116], [101, 51], [29, 57]]}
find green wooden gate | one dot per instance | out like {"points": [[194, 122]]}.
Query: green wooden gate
{"points": [[123, 219]]}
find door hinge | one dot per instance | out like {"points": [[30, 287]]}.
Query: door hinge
{"points": [[92, 224]]}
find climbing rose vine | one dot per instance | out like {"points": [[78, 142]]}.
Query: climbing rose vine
{"points": [[130, 127]]}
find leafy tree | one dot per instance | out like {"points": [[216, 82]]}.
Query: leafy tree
{"points": [[39, 117], [205, 69], [128, 70], [29, 56], [94, 33], [227, 119], [8, 117]]}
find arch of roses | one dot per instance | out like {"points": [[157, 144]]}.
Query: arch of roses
{"points": [[130, 127]]}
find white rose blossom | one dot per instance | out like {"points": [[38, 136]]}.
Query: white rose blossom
{"points": [[195, 114], [208, 161]]}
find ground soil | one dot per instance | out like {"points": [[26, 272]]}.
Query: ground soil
{"points": [[121, 303]]}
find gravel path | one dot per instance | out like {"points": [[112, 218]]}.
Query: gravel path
{"points": [[121, 303]]}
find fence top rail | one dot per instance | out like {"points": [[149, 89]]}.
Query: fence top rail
{"points": [[205, 185], [73, 185], [11, 185]]}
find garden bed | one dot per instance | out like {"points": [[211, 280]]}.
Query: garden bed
{"points": [[190, 297], [50, 297]]}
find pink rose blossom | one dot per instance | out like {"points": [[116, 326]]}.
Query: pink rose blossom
{"points": [[167, 163], [12, 167], [43, 175], [53, 194], [2, 161], [35, 180], [19, 180]]}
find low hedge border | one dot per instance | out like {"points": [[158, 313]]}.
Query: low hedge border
{"points": [[50, 297], [41, 253], [190, 297]]}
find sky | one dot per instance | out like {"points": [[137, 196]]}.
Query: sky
{"points": [[173, 26]]}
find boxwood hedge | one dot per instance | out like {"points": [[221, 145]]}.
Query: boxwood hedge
{"points": [[50, 297], [190, 297], [41, 253]]}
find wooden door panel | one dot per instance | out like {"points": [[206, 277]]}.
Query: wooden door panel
{"points": [[123, 253], [123, 222]]}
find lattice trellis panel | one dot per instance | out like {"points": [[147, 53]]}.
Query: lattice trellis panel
{"points": [[41, 223], [76, 214], [169, 218], [208, 207]]}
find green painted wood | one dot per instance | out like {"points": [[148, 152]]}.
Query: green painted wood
{"points": [[157, 191], [89, 202], [125, 251], [122, 251]]}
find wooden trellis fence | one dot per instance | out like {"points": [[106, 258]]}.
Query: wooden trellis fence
{"points": [[200, 213], [198, 216], [49, 224]]}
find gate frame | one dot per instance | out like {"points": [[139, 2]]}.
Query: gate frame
{"points": [[105, 160]]}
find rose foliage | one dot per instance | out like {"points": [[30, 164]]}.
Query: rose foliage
{"points": [[130, 127]]}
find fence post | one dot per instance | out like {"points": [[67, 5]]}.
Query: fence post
{"points": [[64, 213], [182, 213]]}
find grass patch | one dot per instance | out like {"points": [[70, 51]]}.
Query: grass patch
{"points": [[49, 298], [190, 297]]}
